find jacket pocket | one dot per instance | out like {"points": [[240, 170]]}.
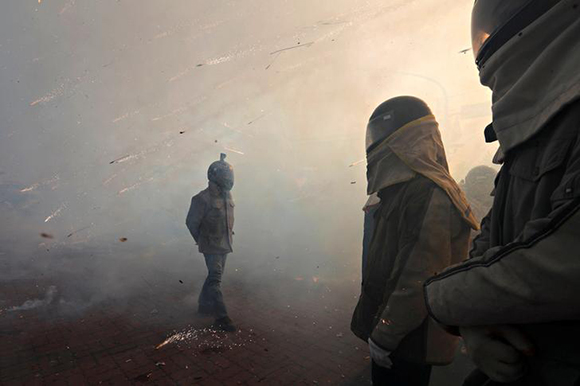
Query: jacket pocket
{"points": [[535, 160]]}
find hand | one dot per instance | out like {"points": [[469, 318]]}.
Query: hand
{"points": [[380, 356], [498, 351]]}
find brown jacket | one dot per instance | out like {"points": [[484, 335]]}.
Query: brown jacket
{"points": [[211, 221], [418, 231]]}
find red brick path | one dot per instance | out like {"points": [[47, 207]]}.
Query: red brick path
{"points": [[302, 338], [296, 333]]}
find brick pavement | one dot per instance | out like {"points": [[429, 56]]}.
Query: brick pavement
{"points": [[296, 333]]}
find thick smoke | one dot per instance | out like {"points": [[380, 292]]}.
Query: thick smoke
{"points": [[111, 112]]}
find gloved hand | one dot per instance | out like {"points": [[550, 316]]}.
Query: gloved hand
{"points": [[498, 351], [380, 356]]}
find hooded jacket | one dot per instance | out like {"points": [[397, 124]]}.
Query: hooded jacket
{"points": [[525, 266], [419, 230], [210, 220]]}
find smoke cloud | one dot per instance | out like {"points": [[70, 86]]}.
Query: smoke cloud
{"points": [[111, 113]]}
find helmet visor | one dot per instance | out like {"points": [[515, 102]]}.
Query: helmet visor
{"points": [[379, 129], [488, 18]]}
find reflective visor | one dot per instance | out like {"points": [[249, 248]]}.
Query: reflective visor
{"points": [[488, 18], [495, 22], [380, 128]]}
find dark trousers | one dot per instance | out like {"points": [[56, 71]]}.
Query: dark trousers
{"points": [[211, 294], [402, 373]]}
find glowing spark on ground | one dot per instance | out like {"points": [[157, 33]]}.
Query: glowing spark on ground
{"points": [[207, 340]]}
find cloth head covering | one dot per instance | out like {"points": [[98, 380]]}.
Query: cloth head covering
{"points": [[535, 74], [416, 148]]}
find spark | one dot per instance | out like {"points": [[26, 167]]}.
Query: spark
{"points": [[292, 48], [125, 190], [106, 182], [30, 188], [125, 116], [66, 7], [55, 213], [233, 150], [78, 230], [357, 163], [122, 159]]}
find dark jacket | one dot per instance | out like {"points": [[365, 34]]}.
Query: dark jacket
{"points": [[418, 232], [210, 221], [525, 265]]}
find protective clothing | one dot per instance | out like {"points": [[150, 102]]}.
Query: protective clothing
{"points": [[419, 230], [210, 220], [221, 173], [524, 268], [498, 350], [494, 22], [534, 74], [391, 115], [380, 356], [415, 148], [369, 210]]}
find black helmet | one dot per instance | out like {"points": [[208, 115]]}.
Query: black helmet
{"points": [[494, 22], [221, 173], [392, 115]]}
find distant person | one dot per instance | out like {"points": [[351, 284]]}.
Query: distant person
{"points": [[478, 187], [210, 221], [369, 209], [422, 226]]}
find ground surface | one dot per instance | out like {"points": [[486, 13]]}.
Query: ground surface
{"points": [[296, 333]]}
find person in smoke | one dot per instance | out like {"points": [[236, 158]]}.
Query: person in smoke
{"points": [[478, 186], [516, 301], [210, 221], [422, 225]]}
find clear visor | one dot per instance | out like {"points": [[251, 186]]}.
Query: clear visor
{"points": [[488, 17]]}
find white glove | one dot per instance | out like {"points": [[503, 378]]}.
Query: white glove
{"points": [[498, 351], [379, 355]]}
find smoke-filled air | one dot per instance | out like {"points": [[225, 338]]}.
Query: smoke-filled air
{"points": [[112, 111]]}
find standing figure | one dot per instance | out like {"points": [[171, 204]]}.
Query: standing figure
{"points": [[478, 188], [210, 221], [516, 301], [422, 226]]}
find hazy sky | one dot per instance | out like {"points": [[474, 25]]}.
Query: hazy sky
{"points": [[112, 110]]}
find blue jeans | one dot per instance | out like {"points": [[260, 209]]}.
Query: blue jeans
{"points": [[211, 294]]}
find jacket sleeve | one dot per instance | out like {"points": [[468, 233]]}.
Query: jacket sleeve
{"points": [[480, 242], [195, 216], [534, 279], [431, 253]]}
